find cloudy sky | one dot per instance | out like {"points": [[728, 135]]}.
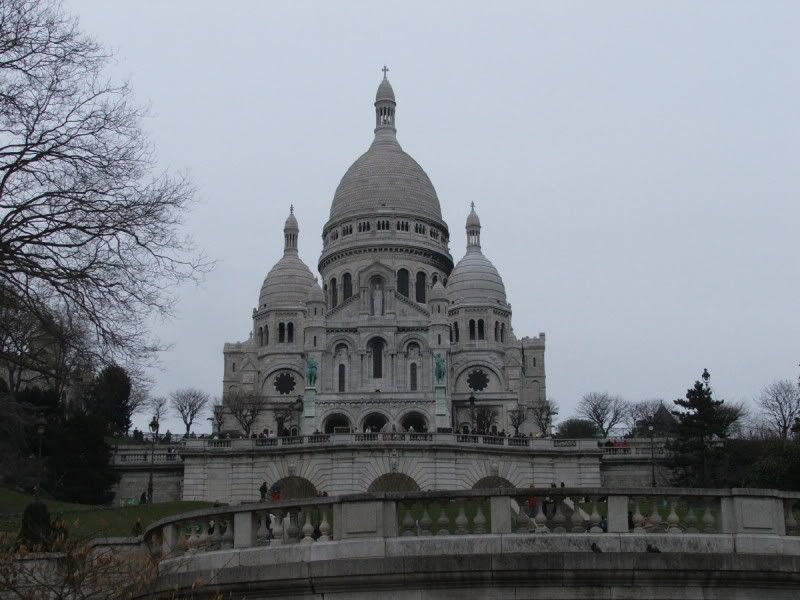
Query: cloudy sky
{"points": [[634, 165]]}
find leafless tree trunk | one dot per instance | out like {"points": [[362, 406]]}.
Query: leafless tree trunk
{"points": [[780, 402], [641, 412], [86, 225], [485, 417], [245, 408], [517, 417], [543, 414], [603, 410], [189, 403], [158, 407]]}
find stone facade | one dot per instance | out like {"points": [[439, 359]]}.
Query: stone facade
{"points": [[360, 352]]}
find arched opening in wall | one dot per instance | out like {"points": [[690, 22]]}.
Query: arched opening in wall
{"points": [[375, 346], [472, 329], [347, 286], [376, 295], [260, 336], [455, 331], [337, 423], [393, 482], [266, 335], [414, 421], [412, 377], [341, 378], [502, 332], [334, 293], [374, 422], [434, 279], [420, 287], [481, 333], [290, 333], [293, 487], [492, 482], [496, 331], [465, 428], [402, 282], [281, 333]]}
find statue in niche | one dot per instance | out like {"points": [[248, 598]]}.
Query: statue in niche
{"points": [[311, 372], [441, 368], [376, 296]]}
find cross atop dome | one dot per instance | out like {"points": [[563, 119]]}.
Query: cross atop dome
{"points": [[384, 104], [385, 70]]}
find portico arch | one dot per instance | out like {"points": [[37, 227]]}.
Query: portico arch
{"points": [[374, 421], [414, 419], [337, 423], [394, 482], [294, 487], [492, 482]]}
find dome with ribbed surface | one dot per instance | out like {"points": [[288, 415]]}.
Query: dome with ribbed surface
{"points": [[385, 177], [315, 293], [385, 91], [287, 284], [475, 280]]}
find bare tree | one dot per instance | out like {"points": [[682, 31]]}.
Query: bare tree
{"points": [[543, 414], [218, 417], [641, 413], [158, 407], [484, 417], [188, 404], [246, 409], [517, 417], [604, 410], [780, 402], [86, 224]]}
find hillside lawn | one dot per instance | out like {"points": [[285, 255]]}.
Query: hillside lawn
{"points": [[84, 521]]}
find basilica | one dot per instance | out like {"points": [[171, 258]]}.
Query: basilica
{"points": [[392, 337]]}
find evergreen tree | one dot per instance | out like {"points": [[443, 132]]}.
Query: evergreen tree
{"points": [[698, 449], [80, 464], [110, 399]]}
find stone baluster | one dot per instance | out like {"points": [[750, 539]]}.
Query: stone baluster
{"points": [[653, 520], [262, 532], [638, 517], [691, 516], [789, 517], [673, 521], [559, 520], [576, 519], [442, 522], [595, 518], [277, 528], [425, 523], [709, 522], [215, 539], [479, 521], [227, 533], [324, 527], [407, 525], [193, 541], [308, 528], [540, 520], [202, 541], [292, 530], [461, 520]]}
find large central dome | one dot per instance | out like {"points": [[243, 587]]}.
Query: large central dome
{"points": [[385, 177]]}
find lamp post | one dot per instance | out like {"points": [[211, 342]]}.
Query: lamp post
{"points": [[154, 430], [298, 406], [651, 429], [472, 412]]}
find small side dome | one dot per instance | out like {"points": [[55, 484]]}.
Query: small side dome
{"points": [[385, 91], [472, 218], [291, 222], [438, 292], [475, 280], [315, 293], [288, 283]]}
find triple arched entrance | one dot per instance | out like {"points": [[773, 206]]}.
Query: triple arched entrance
{"points": [[393, 482]]}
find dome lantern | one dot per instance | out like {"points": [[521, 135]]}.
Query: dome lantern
{"points": [[290, 232], [385, 105], [473, 229]]}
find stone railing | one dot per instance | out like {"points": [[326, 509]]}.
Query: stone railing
{"points": [[403, 438], [141, 456], [598, 512], [634, 447]]}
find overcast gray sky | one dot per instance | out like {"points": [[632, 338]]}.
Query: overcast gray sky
{"points": [[634, 165]]}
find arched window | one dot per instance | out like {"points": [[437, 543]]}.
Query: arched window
{"points": [[496, 331], [434, 279], [412, 377], [421, 286], [347, 286], [266, 335], [290, 333], [502, 332], [455, 332], [472, 329], [334, 293], [439, 342], [402, 282], [376, 347], [281, 333], [315, 341], [481, 334], [260, 336], [341, 377]]}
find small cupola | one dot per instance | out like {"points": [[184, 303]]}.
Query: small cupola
{"points": [[385, 105]]}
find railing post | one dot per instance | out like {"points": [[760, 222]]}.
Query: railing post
{"points": [[617, 514], [244, 530], [500, 509]]}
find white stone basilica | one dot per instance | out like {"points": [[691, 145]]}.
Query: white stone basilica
{"points": [[396, 338]]}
